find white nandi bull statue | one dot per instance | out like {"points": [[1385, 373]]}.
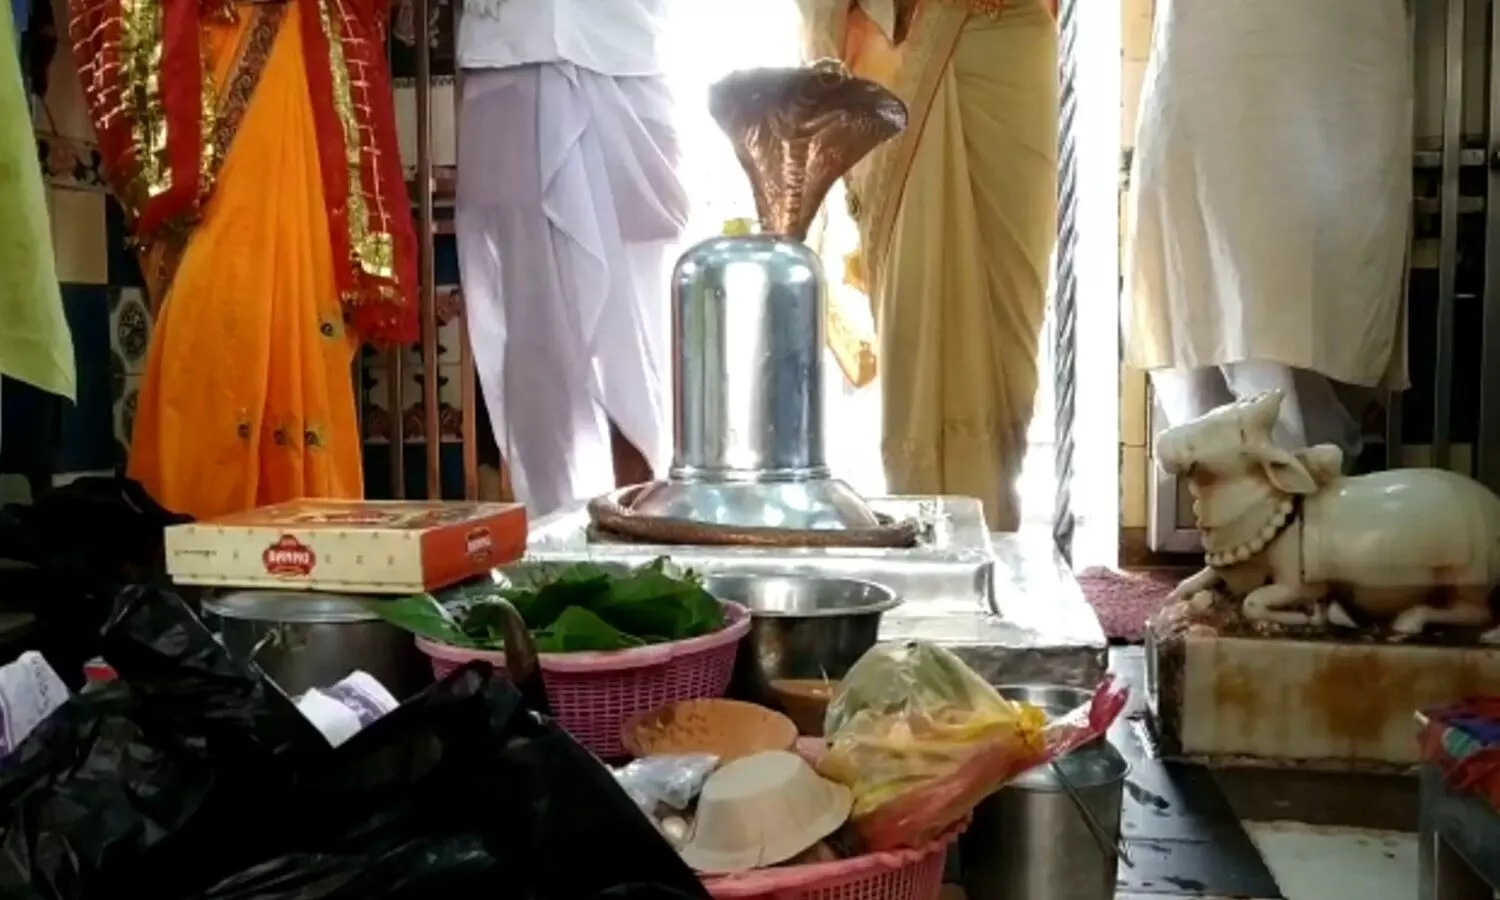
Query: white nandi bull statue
{"points": [[1287, 532]]}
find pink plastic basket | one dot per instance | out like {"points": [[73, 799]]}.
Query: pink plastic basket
{"points": [[592, 694], [911, 874]]}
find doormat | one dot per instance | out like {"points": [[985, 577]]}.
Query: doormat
{"points": [[1125, 601]]}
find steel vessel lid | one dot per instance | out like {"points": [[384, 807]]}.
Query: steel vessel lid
{"points": [[296, 607]]}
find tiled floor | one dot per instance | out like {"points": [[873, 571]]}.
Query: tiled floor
{"points": [[1259, 834], [1312, 863], [1254, 833], [1181, 830]]}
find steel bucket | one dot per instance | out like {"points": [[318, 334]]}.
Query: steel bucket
{"points": [[1030, 840], [304, 640]]}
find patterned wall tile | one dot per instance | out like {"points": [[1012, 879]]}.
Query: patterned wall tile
{"points": [[450, 405], [450, 307], [375, 395], [72, 163], [129, 338], [376, 398], [449, 302], [129, 328], [124, 413]]}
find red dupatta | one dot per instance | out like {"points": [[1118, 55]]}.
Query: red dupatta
{"points": [[162, 134], [369, 210]]}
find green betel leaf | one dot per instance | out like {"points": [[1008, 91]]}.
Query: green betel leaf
{"points": [[650, 602], [568, 608], [579, 630], [423, 616], [549, 590]]}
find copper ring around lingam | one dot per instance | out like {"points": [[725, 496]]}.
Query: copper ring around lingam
{"points": [[613, 518]]}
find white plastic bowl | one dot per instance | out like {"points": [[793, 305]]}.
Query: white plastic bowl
{"points": [[762, 810]]}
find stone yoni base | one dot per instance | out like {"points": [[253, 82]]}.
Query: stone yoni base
{"points": [[1318, 702]]}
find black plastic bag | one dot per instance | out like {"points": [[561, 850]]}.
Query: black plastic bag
{"points": [[104, 526], [79, 544], [194, 778]]}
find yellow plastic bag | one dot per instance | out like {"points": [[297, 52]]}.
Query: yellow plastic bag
{"points": [[920, 739]]}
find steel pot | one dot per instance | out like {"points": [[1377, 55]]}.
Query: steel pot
{"points": [[304, 640], [1053, 833], [801, 627]]}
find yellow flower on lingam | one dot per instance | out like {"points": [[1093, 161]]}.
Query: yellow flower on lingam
{"points": [[738, 227]]}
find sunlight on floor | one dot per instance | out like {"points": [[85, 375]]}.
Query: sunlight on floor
{"points": [[1315, 863]]}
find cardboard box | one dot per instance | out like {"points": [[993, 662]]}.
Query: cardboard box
{"points": [[364, 547]]}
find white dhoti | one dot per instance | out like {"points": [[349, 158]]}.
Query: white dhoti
{"points": [[569, 208], [1269, 208]]}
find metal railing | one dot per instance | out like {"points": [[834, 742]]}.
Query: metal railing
{"points": [[396, 358], [1065, 283]]}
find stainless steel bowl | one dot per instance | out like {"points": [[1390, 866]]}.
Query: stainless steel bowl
{"points": [[801, 626], [1053, 699]]}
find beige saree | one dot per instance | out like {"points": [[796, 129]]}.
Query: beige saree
{"points": [[957, 219]]}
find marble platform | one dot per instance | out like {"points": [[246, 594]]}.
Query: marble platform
{"points": [[1005, 603], [1343, 705], [1034, 627]]}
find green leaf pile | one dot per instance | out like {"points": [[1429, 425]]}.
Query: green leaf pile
{"points": [[570, 609]]}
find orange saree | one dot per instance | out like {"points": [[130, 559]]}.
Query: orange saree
{"points": [[276, 242]]}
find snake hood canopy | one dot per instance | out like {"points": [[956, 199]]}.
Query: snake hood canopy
{"points": [[796, 131]]}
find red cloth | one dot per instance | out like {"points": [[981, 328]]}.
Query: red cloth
{"points": [[1125, 601], [382, 308], [1459, 740]]}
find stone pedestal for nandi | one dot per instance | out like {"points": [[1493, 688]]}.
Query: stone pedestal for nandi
{"points": [[1330, 607]]}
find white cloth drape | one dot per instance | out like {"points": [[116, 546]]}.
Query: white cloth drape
{"points": [[568, 211], [1271, 189], [615, 37]]}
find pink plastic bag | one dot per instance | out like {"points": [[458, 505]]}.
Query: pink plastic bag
{"points": [[920, 740]]}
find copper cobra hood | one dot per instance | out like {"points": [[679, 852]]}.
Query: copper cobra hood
{"points": [[748, 333]]}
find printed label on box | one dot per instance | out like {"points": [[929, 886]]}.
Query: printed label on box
{"points": [[289, 558], [480, 544]]}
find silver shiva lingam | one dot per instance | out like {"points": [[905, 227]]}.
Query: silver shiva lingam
{"points": [[748, 335]]}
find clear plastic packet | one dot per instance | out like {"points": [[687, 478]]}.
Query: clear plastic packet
{"points": [[30, 691], [670, 781], [345, 708], [920, 739]]}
